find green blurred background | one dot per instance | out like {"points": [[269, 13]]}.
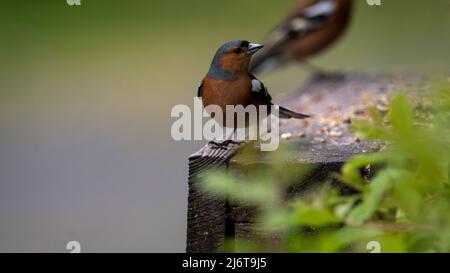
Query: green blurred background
{"points": [[86, 93]]}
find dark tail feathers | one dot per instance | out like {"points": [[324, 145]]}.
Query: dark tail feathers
{"points": [[286, 113]]}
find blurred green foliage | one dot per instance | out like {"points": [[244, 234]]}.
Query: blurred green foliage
{"points": [[404, 207]]}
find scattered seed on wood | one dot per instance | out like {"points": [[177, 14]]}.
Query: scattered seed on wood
{"points": [[286, 135]]}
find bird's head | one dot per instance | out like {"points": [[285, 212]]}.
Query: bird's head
{"points": [[232, 58]]}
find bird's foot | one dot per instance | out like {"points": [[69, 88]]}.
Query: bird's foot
{"points": [[225, 143]]}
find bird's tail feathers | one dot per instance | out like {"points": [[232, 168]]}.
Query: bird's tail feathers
{"points": [[286, 113]]}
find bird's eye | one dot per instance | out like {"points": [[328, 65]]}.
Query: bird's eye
{"points": [[237, 50]]}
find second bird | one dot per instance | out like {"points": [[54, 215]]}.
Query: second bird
{"points": [[311, 27]]}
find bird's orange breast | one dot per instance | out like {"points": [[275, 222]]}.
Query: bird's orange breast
{"points": [[223, 93]]}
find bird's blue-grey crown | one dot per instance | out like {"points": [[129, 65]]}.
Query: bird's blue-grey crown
{"points": [[216, 70]]}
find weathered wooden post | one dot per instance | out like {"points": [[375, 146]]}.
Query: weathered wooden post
{"points": [[324, 141]]}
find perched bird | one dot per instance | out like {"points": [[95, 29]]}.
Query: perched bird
{"points": [[228, 81], [310, 28]]}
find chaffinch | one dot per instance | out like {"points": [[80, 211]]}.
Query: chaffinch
{"points": [[310, 28], [229, 82]]}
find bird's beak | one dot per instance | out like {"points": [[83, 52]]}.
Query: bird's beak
{"points": [[252, 48]]}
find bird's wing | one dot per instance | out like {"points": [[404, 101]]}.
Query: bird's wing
{"points": [[200, 90], [259, 91], [309, 18], [320, 11], [276, 41]]}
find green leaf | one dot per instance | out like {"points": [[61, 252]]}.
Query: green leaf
{"points": [[343, 209], [351, 170], [407, 198], [306, 215], [376, 116], [373, 129], [275, 220], [401, 115], [373, 196], [393, 243], [348, 236], [226, 185]]}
